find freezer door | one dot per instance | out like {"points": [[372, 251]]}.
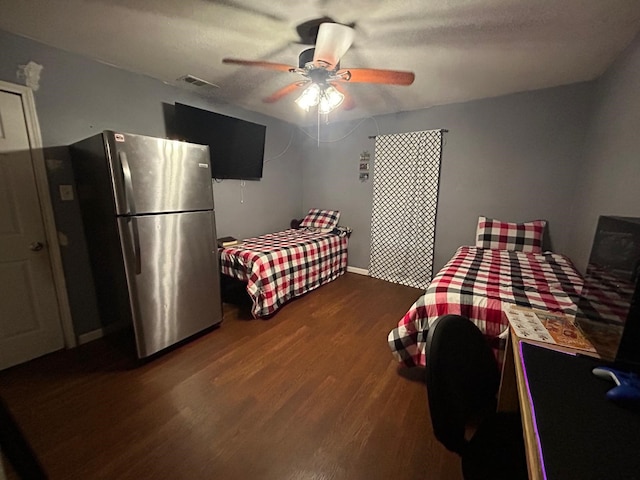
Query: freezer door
{"points": [[154, 175], [171, 264]]}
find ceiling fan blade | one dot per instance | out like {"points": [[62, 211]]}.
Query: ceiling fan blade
{"points": [[348, 103], [281, 67], [333, 41], [372, 75], [283, 92]]}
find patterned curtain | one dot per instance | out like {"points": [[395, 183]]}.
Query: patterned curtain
{"points": [[405, 197]]}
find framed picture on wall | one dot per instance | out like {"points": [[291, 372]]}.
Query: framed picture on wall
{"points": [[364, 166]]}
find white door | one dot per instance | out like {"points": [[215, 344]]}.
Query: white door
{"points": [[29, 316]]}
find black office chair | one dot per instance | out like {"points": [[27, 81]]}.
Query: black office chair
{"points": [[463, 378]]}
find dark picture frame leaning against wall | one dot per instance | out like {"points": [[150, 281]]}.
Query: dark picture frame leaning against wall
{"points": [[609, 305]]}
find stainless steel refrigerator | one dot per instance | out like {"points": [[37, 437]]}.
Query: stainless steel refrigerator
{"points": [[148, 215]]}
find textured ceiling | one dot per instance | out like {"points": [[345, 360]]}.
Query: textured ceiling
{"points": [[459, 50]]}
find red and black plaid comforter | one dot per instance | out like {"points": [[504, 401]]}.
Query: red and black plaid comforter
{"points": [[283, 265], [475, 283]]}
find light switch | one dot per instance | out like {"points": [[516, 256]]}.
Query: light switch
{"points": [[66, 193]]}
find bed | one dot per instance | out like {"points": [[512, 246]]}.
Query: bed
{"points": [[283, 265], [501, 268]]}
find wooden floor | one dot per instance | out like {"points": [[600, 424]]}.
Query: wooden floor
{"points": [[312, 393]]}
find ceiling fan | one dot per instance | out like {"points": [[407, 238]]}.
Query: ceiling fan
{"points": [[322, 76]]}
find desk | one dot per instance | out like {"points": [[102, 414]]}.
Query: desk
{"points": [[591, 437], [513, 397]]}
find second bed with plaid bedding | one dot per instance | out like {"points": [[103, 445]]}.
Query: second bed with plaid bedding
{"points": [[283, 265], [475, 283]]}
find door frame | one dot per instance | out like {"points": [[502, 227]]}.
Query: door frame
{"points": [[46, 207]]}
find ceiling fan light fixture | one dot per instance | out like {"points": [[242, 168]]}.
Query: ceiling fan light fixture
{"points": [[330, 100], [310, 97]]}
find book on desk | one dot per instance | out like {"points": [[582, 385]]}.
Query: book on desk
{"points": [[227, 242], [548, 327]]}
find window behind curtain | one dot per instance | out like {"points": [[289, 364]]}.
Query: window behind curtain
{"points": [[405, 198]]}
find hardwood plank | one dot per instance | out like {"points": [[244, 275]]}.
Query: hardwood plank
{"points": [[312, 392]]}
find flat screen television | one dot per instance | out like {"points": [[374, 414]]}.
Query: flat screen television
{"points": [[236, 146], [609, 306]]}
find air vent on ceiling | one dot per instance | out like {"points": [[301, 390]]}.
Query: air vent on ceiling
{"points": [[197, 82]]}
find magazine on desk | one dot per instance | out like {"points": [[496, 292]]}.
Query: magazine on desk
{"points": [[548, 327]]}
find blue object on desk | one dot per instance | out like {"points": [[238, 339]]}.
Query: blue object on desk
{"points": [[627, 390], [581, 433]]}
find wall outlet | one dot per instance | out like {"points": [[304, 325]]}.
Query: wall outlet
{"points": [[66, 193]]}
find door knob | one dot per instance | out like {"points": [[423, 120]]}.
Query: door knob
{"points": [[36, 246]]}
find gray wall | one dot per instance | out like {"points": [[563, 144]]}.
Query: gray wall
{"points": [[79, 97], [514, 158], [610, 169]]}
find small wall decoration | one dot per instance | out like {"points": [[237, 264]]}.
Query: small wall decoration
{"points": [[364, 166]]}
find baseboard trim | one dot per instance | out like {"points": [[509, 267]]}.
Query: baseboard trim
{"points": [[99, 333], [359, 271]]}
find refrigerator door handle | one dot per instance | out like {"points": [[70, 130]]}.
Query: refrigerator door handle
{"points": [[128, 188], [136, 244]]}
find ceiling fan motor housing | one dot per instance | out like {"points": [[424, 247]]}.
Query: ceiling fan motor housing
{"points": [[306, 56]]}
